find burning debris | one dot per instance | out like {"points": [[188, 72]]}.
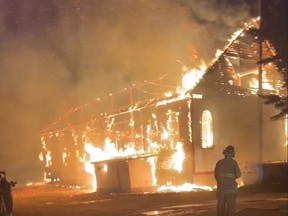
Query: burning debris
{"points": [[171, 139]]}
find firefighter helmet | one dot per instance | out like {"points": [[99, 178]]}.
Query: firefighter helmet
{"points": [[229, 150]]}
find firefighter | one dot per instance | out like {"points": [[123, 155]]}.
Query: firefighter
{"points": [[226, 172], [6, 193]]}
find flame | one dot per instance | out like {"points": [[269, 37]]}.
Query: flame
{"points": [[97, 154], [168, 94], [178, 157], [64, 157], [192, 77], [186, 187], [254, 83], [110, 151], [152, 162], [107, 153], [46, 158]]}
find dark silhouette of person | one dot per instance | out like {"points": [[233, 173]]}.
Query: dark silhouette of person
{"points": [[6, 193], [226, 172]]}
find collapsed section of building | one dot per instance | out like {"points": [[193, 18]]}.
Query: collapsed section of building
{"points": [[170, 140]]}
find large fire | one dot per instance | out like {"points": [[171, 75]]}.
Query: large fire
{"points": [[110, 152], [157, 135]]}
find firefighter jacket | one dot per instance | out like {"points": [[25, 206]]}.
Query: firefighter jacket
{"points": [[226, 172]]}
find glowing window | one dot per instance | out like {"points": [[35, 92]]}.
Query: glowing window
{"points": [[207, 129]]}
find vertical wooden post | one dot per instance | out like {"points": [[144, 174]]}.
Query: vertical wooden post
{"points": [[260, 92]]}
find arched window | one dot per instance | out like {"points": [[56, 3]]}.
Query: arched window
{"points": [[207, 129]]}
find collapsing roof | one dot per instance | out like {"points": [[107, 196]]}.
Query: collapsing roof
{"points": [[233, 72], [236, 69]]}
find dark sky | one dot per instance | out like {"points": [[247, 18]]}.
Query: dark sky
{"points": [[55, 54]]}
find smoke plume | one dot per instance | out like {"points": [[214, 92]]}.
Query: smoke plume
{"points": [[56, 54]]}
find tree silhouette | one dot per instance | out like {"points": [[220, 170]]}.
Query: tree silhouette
{"points": [[274, 22]]}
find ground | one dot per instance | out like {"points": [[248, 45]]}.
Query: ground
{"points": [[47, 200]]}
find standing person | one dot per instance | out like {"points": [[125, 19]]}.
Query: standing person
{"points": [[6, 193], [226, 172]]}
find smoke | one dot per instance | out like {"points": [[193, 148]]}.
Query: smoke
{"points": [[56, 54]]}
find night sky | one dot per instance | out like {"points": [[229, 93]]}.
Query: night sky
{"points": [[55, 54]]}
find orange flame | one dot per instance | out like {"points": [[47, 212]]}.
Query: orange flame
{"points": [[187, 187], [254, 83], [191, 78], [178, 157]]}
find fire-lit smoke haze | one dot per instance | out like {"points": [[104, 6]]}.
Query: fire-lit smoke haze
{"points": [[56, 54]]}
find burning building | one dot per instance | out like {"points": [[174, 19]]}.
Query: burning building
{"points": [[176, 138]]}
